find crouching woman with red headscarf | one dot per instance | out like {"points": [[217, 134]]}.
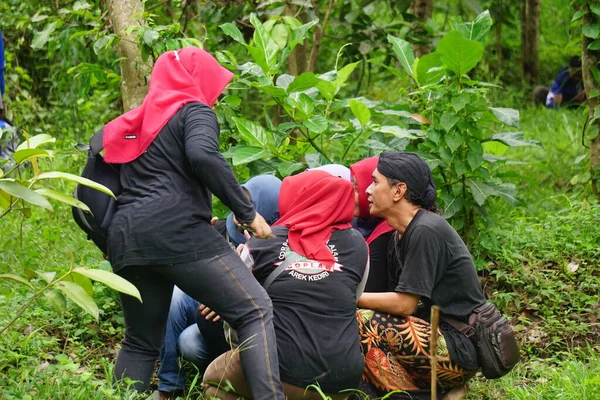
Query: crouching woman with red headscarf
{"points": [[314, 295], [161, 233]]}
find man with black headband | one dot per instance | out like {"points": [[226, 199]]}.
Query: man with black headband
{"points": [[430, 265]]}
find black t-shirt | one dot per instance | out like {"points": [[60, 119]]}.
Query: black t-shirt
{"points": [[164, 211], [378, 280], [314, 310], [432, 261]]}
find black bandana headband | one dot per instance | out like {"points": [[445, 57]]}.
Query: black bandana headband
{"points": [[413, 171]]}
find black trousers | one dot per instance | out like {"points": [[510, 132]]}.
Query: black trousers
{"points": [[224, 284]]}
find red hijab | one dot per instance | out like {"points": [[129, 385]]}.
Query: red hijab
{"points": [[362, 172], [179, 77], [312, 204]]}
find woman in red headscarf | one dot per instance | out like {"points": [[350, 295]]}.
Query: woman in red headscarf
{"points": [[161, 233], [314, 296], [376, 231]]}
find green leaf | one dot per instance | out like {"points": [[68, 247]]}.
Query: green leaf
{"points": [[305, 103], [79, 296], [592, 31], [63, 198], [452, 205], [82, 281], [430, 69], [514, 139], [475, 159], [460, 55], [267, 48], [299, 34], [398, 132], [17, 190], [344, 73], [280, 35], [509, 116], [36, 141], [150, 36], [252, 133], [305, 81], [453, 140], [40, 38], [111, 280], [481, 191], [595, 45], [47, 276], [578, 15], [57, 300], [17, 278], [276, 92], [75, 178], [595, 8], [287, 168], [233, 32], [283, 81], [26, 154], [448, 121], [478, 29], [101, 43], [241, 154], [316, 124], [327, 89], [360, 111], [404, 53]]}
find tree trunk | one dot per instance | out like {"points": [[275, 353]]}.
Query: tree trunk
{"points": [[591, 60], [422, 10], [297, 63], [530, 27], [134, 71]]}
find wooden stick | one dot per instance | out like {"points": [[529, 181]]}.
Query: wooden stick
{"points": [[435, 316]]}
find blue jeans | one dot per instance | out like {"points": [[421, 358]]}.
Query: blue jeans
{"points": [[224, 284]]}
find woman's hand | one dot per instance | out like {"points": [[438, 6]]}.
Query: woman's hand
{"points": [[208, 314], [260, 228]]}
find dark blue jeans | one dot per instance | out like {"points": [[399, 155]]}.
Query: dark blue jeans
{"points": [[224, 284]]}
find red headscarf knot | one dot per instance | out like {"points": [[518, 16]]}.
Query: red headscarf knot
{"points": [[179, 77], [312, 204]]}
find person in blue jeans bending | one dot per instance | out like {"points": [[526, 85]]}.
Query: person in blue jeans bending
{"points": [[183, 337]]}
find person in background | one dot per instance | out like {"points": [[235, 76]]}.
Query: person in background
{"points": [[376, 231], [432, 267], [567, 89], [338, 170], [183, 337], [161, 234], [314, 297]]}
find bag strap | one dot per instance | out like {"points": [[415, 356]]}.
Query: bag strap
{"points": [[459, 325], [96, 142], [277, 271]]}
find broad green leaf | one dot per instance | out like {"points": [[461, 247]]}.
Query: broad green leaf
{"points": [[287, 168], [306, 104], [595, 8], [481, 191], [404, 53], [430, 69], [150, 36], [592, 31], [316, 124], [400, 133], [57, 300], [454, 139], [305, 81], [47, 276], [82, 281], [509, 116], [478, 29], [36, 141], [459, 102], [475, 159], [327, 89], [101, 43], [253, 134], [595, 45], [458, 54], [578, 15], [5, 199], [75, 178], [79, 296], [448, 121], [300, 33], [17, 190], [452, 205], [283, 81], [233, 32], [360, 111], [241, 154], [40, 38], [16, 278], [265, 44], [27, 154], [63, 198], [111, 280], [344, 73], [280, 35], [376, 145], [276, 92], [514, 139]]}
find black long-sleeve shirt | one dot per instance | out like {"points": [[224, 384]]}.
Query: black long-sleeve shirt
{"points": [[165, 208]]}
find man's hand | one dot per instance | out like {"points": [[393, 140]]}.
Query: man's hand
{"points": [[260, 228], [208, 314]]}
